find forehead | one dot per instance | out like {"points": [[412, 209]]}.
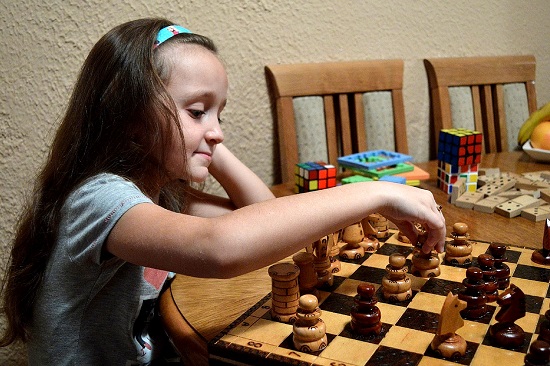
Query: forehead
{"points": [[190, 60]]}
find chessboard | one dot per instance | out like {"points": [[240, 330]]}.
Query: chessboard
{"points": [[407, 327]]}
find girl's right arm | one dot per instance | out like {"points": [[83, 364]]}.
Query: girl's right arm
{"points": [[263, 233]]}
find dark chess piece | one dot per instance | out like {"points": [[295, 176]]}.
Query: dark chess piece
{"points": [[505, 332], [458, 251], [539, 354], [365, 315], [498, 251], [309, 330], [542, 256], [486, 264], [473, 294], [447, 342], [544, 333]]}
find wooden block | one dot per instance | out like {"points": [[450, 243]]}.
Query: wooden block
{"points": [[531, 192], [514, 207], [545, 194], [495, 187], [510, 194], [489, 172], [488, 204], [468, 199], [459, 188], [536, 213]]}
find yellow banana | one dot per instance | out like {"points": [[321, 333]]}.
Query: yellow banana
{"points": [[530, 123]]}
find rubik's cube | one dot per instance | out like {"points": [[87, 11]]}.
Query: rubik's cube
{"points": [[459, 154], [313, 176]]}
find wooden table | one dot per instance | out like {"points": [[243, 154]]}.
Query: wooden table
{"points": [[195, 310]]}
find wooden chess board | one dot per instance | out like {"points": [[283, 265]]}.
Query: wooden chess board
{"points": [[407, 328]]}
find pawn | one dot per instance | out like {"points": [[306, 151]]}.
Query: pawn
{"points": [[424, 264], [396, 285], [370, 242], [365, 315], [309, 330], [498, 251], [542, 256], [473, 294], [486, 264], [352, 236], [505, 332], [544, 333], [321, 262], [458, 251], [335, 264], [539, 354], [307, 279]]}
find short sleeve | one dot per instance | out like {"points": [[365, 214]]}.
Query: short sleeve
{"points": [[90, 213]]}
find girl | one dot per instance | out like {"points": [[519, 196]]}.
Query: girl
{"points": [[114, 210]]}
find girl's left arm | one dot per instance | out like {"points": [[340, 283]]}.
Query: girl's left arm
{"points": [[242, 185]]}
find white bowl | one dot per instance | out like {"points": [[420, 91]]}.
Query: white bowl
{"points": [[537, 154]]}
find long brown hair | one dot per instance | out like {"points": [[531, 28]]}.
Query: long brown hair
{"points": [[117, 120]]}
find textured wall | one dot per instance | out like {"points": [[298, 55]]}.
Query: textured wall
{"points": [[44, 43]]}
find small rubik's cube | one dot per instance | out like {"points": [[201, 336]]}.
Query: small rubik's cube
{"points": [[459, 154], [313, 176]]}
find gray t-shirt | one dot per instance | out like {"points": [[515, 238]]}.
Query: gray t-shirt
{"points": [[94, 308]]}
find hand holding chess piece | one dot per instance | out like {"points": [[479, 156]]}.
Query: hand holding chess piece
{"points": [[309, 330], [447, 342], [424, 264]]}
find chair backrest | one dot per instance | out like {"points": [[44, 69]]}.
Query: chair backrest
{"points": [[491, 87], [346, 109]]}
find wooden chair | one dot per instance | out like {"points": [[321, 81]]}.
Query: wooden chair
{"points": [[341, 89], [486, 79]]}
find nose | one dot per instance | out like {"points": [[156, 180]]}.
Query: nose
{"points": [[214, 135]]}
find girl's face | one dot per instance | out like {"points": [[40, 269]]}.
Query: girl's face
{"points": [[198, 85]]}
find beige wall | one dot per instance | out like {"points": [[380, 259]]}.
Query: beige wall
{"points": [[44, 42]]}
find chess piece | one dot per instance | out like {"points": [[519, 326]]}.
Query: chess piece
{"points": [[539, 354], [486, 264], [321, 262], [458, 251], [285, 291], [307, 279], [403, 238], [498, 251], [544, 332], [352, 236], [473, 294], [542, 256], [505, 332], [370, 242], [424, 264], [447, 342], [309, 330], [396, 285], [365, 315], [335, 264]]}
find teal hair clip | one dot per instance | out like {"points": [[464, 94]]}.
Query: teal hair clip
{"points": [[168, 32]]}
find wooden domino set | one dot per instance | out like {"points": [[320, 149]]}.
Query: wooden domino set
{"points": [[407, 327]]}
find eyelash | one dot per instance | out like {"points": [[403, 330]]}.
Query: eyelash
{"points": [[196, 114]]}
